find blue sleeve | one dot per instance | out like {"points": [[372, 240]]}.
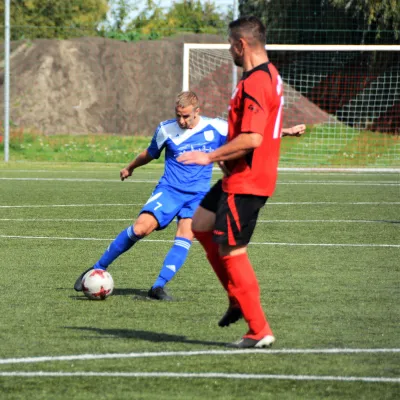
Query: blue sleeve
{"points": [[222, 139], [157, 143]]}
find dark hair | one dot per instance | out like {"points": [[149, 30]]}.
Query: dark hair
{"points": [[250, 27]]}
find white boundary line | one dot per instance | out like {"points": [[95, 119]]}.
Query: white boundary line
{"points": [[65, 219], [272, 203], [333, 171], [269, 221], [74, 205], [307, 221], [348, 183], [171, 241], [79, 357], [80, 180], [308, 182], [283, 170], [114, 171], [204, 375]]}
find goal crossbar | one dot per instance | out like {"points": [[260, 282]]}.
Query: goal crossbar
{"points": [[347, 95], [297, 47]]}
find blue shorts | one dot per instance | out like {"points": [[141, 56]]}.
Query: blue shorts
{"points": [[167, 203]]}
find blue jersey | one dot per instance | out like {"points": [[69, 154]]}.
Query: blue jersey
{"points": [[206, 136]]}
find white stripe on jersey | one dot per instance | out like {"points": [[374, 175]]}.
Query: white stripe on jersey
{"points": [[221, 125], [161, 134], [170, 129]]}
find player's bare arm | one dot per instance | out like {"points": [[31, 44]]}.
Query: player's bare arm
{"points": [[236, 148], [142, 159]]}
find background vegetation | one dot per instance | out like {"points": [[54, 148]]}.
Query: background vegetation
{"points": [[288, 21], [365, 149], [327, 21]]}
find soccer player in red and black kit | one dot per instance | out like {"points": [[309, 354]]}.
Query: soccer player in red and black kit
{"points": [[226, 217]]}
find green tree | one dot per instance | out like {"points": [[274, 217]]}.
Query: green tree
{"points": [[120, 11], [378, 15], [185, 15], [54, 18], [327, 21], [150, 19], [196, 17]]}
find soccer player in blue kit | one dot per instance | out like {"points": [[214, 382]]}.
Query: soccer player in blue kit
{"points": [[178, 192]]}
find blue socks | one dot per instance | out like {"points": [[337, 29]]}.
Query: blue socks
{"points": [[123, 242], [173, 261]]}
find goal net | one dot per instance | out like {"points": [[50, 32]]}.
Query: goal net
{"points": [[348, 97]]}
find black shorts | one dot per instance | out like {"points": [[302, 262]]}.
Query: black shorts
{"points": [[236, 214]]}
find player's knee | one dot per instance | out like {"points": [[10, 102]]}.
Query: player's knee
{"points": [[143, 230], [184, 228], [145, 224], [203, 220], [140, 230], [227, 250]]}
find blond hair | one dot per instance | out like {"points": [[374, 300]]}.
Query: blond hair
{"points": [[186, 99]]}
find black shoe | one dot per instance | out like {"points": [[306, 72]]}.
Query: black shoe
{"points": [[232, 315], [78, 282], [158, 293]]}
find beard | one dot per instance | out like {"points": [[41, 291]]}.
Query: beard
{"points": [[238, 61]]}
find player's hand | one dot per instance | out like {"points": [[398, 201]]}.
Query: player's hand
{"points": [[194, 157], [297, 130], [224, 168], [125, 173]]}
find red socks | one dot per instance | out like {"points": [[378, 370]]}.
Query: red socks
{"points": [[244, 287], [211, 248], [238, 278]]}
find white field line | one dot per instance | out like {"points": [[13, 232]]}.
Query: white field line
{"points": [[94, 171], [65, 219], [308, 182], [341, 183], [80, 180], [336, 221], [204, 375], [80, 357], [290, 171], [283, 170], [338, 171], [73, 205], [289, 221], [171, 241], [286, 203]]}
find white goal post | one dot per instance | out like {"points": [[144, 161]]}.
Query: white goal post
{"points": [[347, 95]]}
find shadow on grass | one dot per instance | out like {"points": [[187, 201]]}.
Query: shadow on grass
{"points": [[137, 294], [144, 335]]}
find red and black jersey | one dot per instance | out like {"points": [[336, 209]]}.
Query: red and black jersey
{"points": [[256, 107]]}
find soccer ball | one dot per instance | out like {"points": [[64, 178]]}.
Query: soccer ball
{"points": [[97, 284]]}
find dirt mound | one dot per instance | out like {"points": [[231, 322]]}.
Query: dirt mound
{"points": [[101, 85], [97, 85]]}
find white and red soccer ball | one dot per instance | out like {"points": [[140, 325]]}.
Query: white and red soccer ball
{"points": [[97, 284]]}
